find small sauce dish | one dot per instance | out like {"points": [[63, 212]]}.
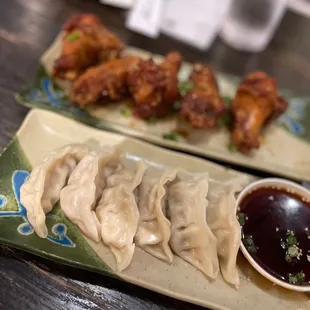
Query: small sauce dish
{"points": [[275, 218]]}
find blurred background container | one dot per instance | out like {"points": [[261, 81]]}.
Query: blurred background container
{"points": [[244, 25], [250, 24]]}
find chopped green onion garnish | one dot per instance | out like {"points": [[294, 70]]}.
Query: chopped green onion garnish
{"points": [[292, 279], [298, 278], [126, 112], [288, 258], [292, 251], [232, 148], [241, 218], [226, 100], [249, 244], [171, 136], [291, 240], [225, 120], [185, 87], [252, 249], [73, 36], [248, 241]]}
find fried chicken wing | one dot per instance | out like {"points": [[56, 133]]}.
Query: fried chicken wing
{"points": [[76, 56], [86, 42], [171, 65], [106, 82], [110, 45], [155, 87], [203, 105], [256, 104]]}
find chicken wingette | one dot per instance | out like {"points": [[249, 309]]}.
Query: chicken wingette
{"points": [[103, 83], [202, 106], [153, 87], [86, 42], [256, 104]]}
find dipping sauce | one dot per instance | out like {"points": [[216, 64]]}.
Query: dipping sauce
{"points": [[276, 232]]}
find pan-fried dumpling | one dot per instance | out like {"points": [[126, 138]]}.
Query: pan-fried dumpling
{"points": [[221, 217], [79, 198], [191, 237], [118, 213], [154, 228], [42, 190]]}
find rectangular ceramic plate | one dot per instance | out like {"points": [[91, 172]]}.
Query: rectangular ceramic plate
{"points": [[44, 131], [284, 150]]}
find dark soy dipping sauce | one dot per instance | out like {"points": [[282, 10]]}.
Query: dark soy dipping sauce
{"points": [[268, 214]]}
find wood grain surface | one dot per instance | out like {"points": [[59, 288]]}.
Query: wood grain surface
{"points": [[27, 27]]}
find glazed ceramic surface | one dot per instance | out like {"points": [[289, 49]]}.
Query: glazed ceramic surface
{"points": [[43, 131], [284, 149]]}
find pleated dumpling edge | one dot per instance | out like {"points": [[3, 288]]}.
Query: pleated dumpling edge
{"points": [[191, 237], [79, 198], [154, 233], [222, 219], [41, 191], [118, 213]]}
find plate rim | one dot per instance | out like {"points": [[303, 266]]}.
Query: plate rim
{"points": [[36, 113], [275, 169], [191, 150]]}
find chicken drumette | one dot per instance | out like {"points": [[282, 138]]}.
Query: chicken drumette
{"points": [[256, 104], [103, 83], [155, 87], [86, 42], [202, 106]]}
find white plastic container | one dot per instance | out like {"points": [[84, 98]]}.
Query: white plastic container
{"points": [[250, 24]]}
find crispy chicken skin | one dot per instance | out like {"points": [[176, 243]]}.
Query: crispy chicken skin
{"points": [[103, 83], [76, 56], [155, 87], [203, 105], [86, 42], [82, 21], [110, 45], [171, 65], [256, 104]]}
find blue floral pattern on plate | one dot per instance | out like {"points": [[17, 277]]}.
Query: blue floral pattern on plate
{"points": [[291, 120], [59, 230], [47, 94]]}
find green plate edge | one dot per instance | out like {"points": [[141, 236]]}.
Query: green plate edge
{"points": [[75, 252]]}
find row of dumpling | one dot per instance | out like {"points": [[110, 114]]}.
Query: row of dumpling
{"points": [[162, 212]]}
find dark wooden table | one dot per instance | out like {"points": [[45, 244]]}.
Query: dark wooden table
{"points": [[27, 27]]}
